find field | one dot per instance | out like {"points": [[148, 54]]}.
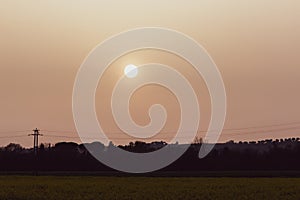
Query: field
{"points": [[88, 187]]}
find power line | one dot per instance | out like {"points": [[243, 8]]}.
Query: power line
{"points": [[237, 132], [270, 130], [203, 131], [16, 131], [170, 137], [12, 136], [62, 136], [227, 134], [56, 131], [265, 126]]}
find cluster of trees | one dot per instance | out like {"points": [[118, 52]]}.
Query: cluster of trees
{"points": [[262, 155]]}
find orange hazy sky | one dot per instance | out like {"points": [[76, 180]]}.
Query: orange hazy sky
{"points": [[255, 44]]}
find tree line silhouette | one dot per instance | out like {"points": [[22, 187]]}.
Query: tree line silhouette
{"points": [[270, 154]]}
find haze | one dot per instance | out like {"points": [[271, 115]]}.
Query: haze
{"points": [[255, 44]]}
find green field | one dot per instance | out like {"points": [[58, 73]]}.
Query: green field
{"points": [[87, 187]]}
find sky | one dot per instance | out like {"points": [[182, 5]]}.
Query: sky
{"points": [[255, 45]]}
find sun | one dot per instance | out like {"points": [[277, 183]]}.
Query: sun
{"points": [[131, 71]]}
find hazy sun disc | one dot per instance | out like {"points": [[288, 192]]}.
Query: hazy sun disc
{"points": [[131, 71]]}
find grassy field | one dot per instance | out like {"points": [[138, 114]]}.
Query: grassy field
{"points": [[87, 187]]}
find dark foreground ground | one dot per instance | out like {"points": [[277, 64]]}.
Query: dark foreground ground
{"points": [[99, 187]]}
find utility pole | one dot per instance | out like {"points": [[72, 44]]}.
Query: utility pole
{"points": [[36, 134]]}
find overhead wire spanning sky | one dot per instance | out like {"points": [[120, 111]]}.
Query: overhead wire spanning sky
{"points": [[266, 130]]}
